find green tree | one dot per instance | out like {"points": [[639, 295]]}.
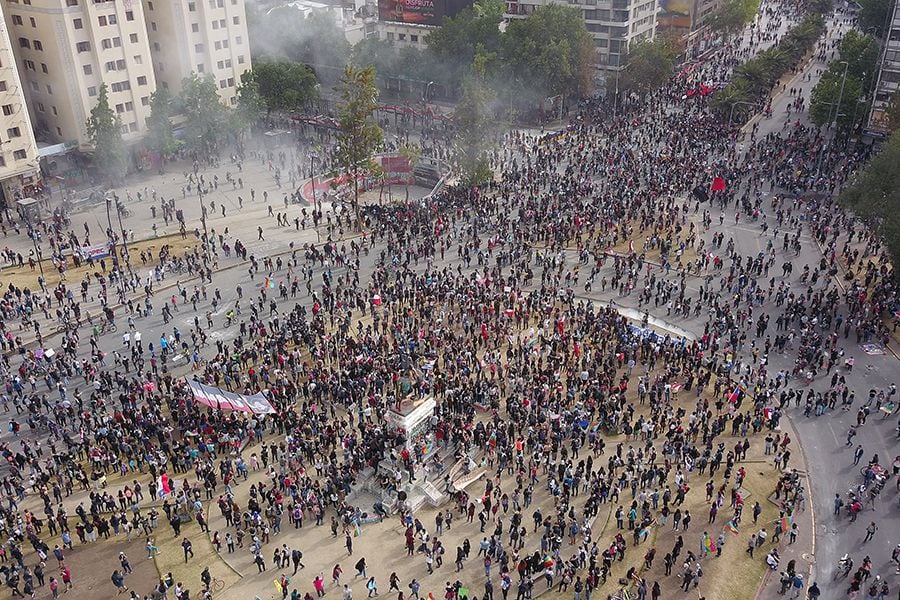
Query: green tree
{"points": [[874, 14], [283, 85], [475, 128], [648, 66], [473, 29], [823, 106], [206, 118], [160, 137], [359, 135], [861, 53], [874, 195], [250, 107], [104, 128], [732, 15], [412, 153], [552, 50]]}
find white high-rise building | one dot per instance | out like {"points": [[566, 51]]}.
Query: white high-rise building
{"points": [[199, 36]]}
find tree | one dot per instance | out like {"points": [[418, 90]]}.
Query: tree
{"points": [[732, 15], [359, 134], [874, 14], [249, 108], [551, 49], [206, 117], [649, 65], [823, 106], [104, 128], [160, 137], [283, 85], [475, 127], [874, 195], [412, 153], [861, 53], [473, 29]]}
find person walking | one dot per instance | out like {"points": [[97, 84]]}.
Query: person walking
{"points": [[858, 454], [870, 531], [119, 581]]}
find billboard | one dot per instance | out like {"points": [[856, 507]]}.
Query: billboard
{"points": [[419, 12]]}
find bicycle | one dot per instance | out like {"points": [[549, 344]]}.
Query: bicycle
{"points": [[216, 585]]}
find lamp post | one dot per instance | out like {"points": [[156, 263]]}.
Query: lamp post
{"points": [[112, 247], [735, 105], [832, 113], [312, 177], [124, 238], [32, 233]]}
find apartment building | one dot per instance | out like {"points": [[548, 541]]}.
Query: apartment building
{"points": [[614, 24], [199, 36], [66, 49], [18, 150], [888, 84]]}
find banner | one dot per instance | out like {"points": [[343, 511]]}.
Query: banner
{"points": [[222, 400], [95, 252]]}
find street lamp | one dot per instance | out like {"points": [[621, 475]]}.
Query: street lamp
{"points": [[312, 176], [112, 243], [32, 233], [124, 238], [831, 111], [736, 104]]}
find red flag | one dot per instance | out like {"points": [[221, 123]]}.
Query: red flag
{"points": [[718, 184]]}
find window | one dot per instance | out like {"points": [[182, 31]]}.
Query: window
{"points": [[192, 7], [224, 43], [220, 3], [53, 110], [145, 100], [138, 59], [129, 15], [110, 66], [83, 46], [236, 20], [414, 39], [71, 2], [198, 47], [133, 38], [13, 132], [231, 82], [129, 106], [156, 46], [215, 24], [238, 40], [44, 68], [106, 43], [2, 162], [120, 108], [102, 20], [228, 64], [222, 83], [34, 86], [123, 129], [401, 37], [153, 25], [8, 109], [142, 80], [40, 107], [112, 19], [222, 24], [218, 45], [221, 64], [77, 24], [241, 59], [132, 126], [120, 64], [201, 68], [33, 22], [38, 45], [195, 27], [49, 89], [2, 86], [24, 43], [59, 132], [117, 42], [17, 20], [150, 5], [20, 155], [29, 64]]}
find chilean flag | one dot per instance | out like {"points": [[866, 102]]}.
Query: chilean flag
{"points": [[718, 184]]}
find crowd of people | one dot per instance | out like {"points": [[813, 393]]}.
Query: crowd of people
{"points": [[486, 300]]}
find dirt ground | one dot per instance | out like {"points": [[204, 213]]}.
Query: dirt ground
{"points": [[92, 565]]}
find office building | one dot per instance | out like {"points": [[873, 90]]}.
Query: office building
{"points": [[66, 49], [18, 151], [199, 36]]}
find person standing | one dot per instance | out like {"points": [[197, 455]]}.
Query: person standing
{"points": [[858, 454], [870, 531]]}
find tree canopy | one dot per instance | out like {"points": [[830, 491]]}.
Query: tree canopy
{"points": [[206, 117], [874, 195], [733, 15], [649, 65], [283, 85], [160, 137], [860, 55], [104, 129]]}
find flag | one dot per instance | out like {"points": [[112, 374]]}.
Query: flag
{"points": [[268, 284], [718, 184], [786, 522], [736, 393], [732, 527], [376, 300]]}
